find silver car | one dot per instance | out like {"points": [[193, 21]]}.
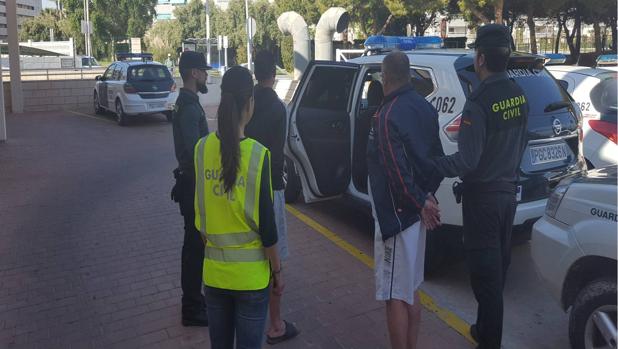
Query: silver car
{"points": [[574, 249]]}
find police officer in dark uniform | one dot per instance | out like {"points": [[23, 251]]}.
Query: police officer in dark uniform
{"points": [[189, 125], [492, 139]]}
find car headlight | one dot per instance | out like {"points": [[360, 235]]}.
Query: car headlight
{"points": [[555, 198]]}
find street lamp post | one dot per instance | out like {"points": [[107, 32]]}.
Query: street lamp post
{"points": [[207, 9], [248, 27]]}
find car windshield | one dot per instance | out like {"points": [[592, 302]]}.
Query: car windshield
{"points": [[149, 73]]}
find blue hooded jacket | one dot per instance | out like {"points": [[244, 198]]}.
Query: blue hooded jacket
{"points": [[403, 140]]}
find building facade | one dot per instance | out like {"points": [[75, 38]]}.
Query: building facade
{"points": [[165, 8], [25, 9]]}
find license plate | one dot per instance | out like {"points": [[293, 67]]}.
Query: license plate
{"points": [[548, 153], [156, 105]]}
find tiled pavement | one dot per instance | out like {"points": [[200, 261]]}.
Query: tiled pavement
{"points": [[90, 248]]}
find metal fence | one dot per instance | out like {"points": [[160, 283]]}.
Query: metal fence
{"points": [[55, 74]]}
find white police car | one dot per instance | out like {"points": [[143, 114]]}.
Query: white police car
{"points": [[594, 91], [329, 120], [129, 88], [574, 249]]}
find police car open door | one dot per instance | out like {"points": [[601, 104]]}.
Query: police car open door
{"points": [[319, 134]]}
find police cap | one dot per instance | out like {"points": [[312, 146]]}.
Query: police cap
{"points": [[493, 35], [193, 60]]}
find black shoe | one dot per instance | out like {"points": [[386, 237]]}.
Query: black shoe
{"points": [[474, 333], [201, 319]]}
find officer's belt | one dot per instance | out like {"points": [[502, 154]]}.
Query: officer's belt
{"points": [[475, 188]]}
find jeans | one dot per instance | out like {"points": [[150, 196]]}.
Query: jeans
{"points": [[240, 313]]}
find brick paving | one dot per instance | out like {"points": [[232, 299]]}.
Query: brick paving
{"points": [[90, 248]]}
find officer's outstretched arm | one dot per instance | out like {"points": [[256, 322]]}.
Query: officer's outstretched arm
{"points": [[471, 144]]}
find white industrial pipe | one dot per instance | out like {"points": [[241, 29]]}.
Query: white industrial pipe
{"points": [[335, 19], [291, 23]]}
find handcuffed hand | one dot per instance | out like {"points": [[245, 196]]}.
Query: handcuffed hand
{"points": [[430, 214]]}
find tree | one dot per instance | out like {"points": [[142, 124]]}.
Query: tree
{"points": [[483, 10], [38, 28], [111, 21], [419, 13], [601, 11], [191, 18], [163, 38]]}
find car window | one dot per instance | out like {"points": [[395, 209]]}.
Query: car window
{"points": [[109, 72], [422, 81], [539, 86], [603, 95], [419, 78], [116, 74], [328, 88], [149, 72], [371, 92], [564, 84]]}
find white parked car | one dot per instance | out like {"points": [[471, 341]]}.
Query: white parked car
{"points": [[130, 88], [594, 91], [329, 121], [574, 249]]}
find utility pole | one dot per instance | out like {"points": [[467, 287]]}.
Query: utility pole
{"points": [[248, 24], [88, 31], [85, 31], [207, 9]]}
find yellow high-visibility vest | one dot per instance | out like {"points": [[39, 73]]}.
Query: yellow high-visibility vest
{"points": [[234, 256]]}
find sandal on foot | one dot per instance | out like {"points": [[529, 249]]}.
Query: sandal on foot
{"points": [[290, 332]]}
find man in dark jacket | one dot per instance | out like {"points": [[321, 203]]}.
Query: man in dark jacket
{"points": [[492, 140], [189, 125], [403, 140], [267, 126]]}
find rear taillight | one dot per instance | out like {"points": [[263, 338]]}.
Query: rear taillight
{"points": [[128, 88], [555, 199], [452, 129], [173, 88], [607, 129]]}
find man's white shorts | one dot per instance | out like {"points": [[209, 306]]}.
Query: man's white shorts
{"points": [[399, 261]]}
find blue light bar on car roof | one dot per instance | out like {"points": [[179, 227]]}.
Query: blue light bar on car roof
{"points": [[403, 43], [555, 58]]}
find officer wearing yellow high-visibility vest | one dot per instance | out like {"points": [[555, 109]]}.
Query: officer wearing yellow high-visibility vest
{"points": [[234, 211]]}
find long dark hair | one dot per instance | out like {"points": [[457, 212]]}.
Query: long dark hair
{"points": [[236, 92]]}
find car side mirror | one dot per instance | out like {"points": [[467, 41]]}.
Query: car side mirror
{"points": [[98, 78]]}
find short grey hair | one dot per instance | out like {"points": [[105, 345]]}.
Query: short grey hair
{"points": [[397, 65]]}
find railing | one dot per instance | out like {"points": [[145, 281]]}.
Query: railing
{"points": [[55, 74]]}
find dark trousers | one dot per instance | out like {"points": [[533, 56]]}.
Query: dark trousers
{"points": [[236, 314], [192, 261], [488, 225]]}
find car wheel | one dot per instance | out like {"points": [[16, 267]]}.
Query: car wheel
{"points": [[97, 105], [592, 323], [291, 181], [169, 116], [121, 117]]}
